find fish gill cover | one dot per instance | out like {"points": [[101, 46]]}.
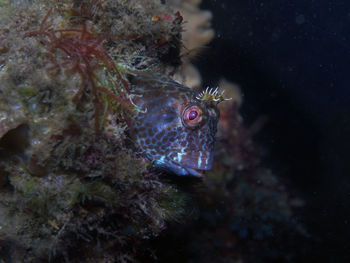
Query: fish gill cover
{"points": [[74, 182]]}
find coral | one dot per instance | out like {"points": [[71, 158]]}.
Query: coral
{"points": [[197, 32]]}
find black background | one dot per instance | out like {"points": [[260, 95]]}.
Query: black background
{"points": [[292, 61]]}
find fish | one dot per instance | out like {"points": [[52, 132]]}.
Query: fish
{"points": [[175, 127]]}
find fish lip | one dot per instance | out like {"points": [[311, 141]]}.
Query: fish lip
{"points": [[195, 172], [183, 170], [190, 170]]}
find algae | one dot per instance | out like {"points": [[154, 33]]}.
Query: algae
{"points": [[75, 185]]}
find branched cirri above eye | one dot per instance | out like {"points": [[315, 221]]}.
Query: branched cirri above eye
{"points": [[192, 116]]}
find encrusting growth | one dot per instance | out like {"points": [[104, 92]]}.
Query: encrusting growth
{"points": [[76, 185]]}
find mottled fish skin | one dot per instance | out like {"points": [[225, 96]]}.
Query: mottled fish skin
{"points": [[177, 131]]}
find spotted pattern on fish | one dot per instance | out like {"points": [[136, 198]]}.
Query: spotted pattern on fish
{"points": [[177, 131]]}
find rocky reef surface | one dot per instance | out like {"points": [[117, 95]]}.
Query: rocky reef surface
{"points": [[73, 187]]}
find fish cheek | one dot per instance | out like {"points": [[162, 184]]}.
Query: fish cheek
{"points": [[169, 121], [169, 116], [158, 123]]}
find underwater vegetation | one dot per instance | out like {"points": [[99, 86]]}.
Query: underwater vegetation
{"points": [[75, 184], [68, 176]]}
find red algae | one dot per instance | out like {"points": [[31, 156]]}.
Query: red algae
{"points": [[84, 52]]}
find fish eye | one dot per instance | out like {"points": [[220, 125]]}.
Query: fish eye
{"points": [[192, 116]]}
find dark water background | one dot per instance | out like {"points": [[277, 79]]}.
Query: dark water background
{"points": [[292, 60]]}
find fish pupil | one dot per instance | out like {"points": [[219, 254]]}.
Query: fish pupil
{"points": [[193, 114]]}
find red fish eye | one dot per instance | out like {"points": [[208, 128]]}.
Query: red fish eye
{"points": [[192, 116]]}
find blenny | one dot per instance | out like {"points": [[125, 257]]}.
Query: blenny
{"points": [[176, 127]]}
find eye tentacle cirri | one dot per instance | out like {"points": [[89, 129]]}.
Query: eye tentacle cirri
{"points": [[212, 95]]}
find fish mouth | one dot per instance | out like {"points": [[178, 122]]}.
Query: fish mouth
{"points": [[196, 163], [188, 166], [181, 169], [194, 172]]}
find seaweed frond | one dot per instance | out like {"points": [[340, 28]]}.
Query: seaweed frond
{"points": [[84, 54]]}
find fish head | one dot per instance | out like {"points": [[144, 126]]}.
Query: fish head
{"points": [[177, 130]]}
